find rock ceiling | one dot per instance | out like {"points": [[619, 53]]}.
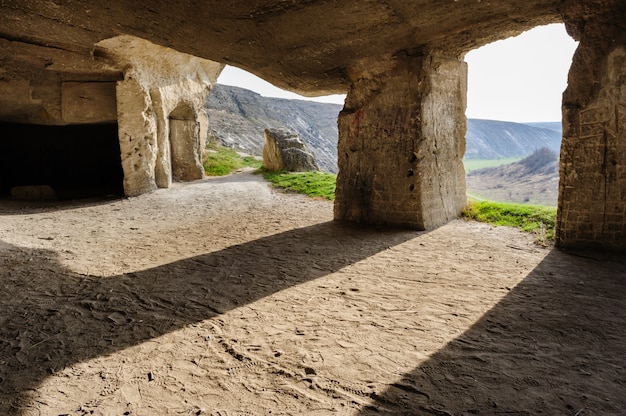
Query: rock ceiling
{"points": [[302, 45]]}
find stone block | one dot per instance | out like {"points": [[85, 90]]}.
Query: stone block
{"points": [[284, 150], [401, 144]]}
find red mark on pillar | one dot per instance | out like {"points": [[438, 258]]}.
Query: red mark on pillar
{"points": [[356, 123]]}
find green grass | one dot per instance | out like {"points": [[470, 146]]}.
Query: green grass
{"points": [[535, 219], [315, 184], [221, 160], [474, 164]]}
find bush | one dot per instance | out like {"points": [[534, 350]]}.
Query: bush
{"points": [[539, 158]]}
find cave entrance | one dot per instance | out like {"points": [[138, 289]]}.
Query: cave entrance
{"points": [[75, 161], [514, 128]]}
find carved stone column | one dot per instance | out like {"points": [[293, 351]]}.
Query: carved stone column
{"points": [[162, 126], [592, 190], [401, 144]]}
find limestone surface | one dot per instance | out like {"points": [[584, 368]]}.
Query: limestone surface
{"points": [[401, 133], [284, 150], [308, 46]]}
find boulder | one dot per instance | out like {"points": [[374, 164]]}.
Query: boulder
{"points": [[284, 150]]}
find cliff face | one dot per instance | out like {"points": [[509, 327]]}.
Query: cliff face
{"points": [[238, 117]]}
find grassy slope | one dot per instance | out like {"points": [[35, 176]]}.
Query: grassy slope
{"points": [[315, 184], [474, 164], [220, 160], [535, 219]]}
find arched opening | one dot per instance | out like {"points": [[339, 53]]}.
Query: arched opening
{"points": [[514, 132], [184, 143], [59, 162]]}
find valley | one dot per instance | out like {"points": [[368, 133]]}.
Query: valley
{"points": [[533, 180]]}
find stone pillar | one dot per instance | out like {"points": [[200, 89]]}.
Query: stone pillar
{"points": [[592, 189], [401, 144]]}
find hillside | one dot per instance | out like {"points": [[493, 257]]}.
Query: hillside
{"points": [[490, 139], [548, 125], [533, 180], [237, 118]]}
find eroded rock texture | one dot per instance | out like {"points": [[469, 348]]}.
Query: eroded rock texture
{"points": [[401, 132], [284, 150], [592, 194], [304, 46], [159, 106], [154, 95], [407, 152]]}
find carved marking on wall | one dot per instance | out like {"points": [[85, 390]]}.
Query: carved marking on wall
{"points": [[356, 122], [593, 122]]}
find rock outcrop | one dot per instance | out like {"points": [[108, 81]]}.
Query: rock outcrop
{"points": [[284, 150]]}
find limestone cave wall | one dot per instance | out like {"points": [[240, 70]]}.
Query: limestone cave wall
{"points": [[147, 67], [127, 82], [592, 191]]}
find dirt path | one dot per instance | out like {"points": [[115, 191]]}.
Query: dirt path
{"points": [[221, 297]]}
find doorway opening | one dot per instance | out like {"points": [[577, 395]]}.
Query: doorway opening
{"points": [[184, 144], [60, 162], [514, 113]]}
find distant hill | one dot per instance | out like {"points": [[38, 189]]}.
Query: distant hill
{"points": [[237, 118], [533, 180], [548, 125]]}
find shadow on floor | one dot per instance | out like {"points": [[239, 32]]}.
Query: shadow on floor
{"points": [[555, 345], [51, 317]]}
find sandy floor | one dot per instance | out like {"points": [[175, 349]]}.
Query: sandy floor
{"points": [[221, 297]]}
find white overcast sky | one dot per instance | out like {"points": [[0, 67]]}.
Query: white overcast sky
{"points": [[518, 79]]}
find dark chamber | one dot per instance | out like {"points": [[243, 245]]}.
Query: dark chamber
{"points": [[76, 161]]}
